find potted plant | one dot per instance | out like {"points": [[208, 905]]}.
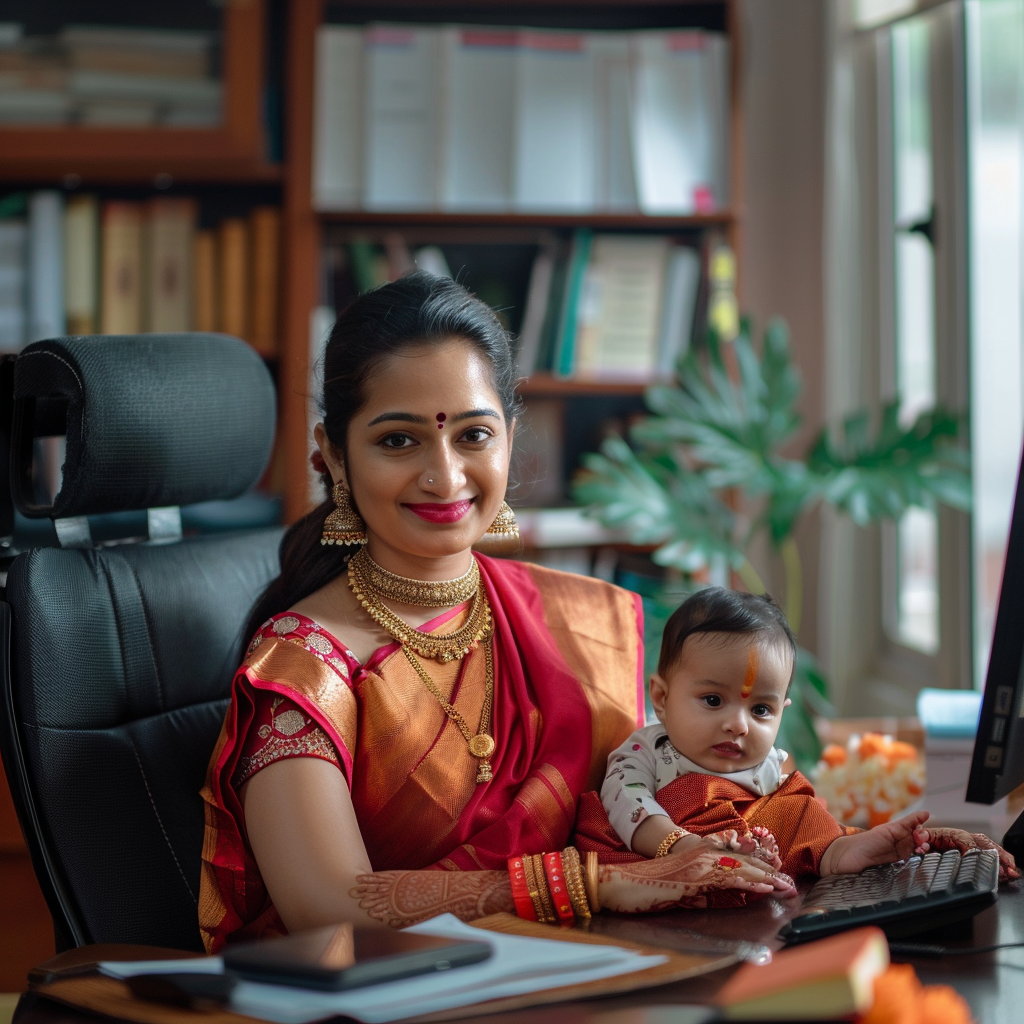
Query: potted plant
{"points": [[705, 475]]}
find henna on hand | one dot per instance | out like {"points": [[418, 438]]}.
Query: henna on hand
{"points": [[688, 879], [942, 839], [402, 898]]}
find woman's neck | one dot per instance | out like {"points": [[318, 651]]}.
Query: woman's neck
{"points": [[429, 569]]}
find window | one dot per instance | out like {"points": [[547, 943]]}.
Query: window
{"points": [[926, 219]]}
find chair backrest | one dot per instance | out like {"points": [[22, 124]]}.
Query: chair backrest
{"points": [[118, 659]]}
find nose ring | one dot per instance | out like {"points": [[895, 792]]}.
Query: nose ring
{"points": [[430, 479]]}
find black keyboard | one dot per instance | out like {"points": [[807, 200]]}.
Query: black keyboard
{"points": [[902, 898]]}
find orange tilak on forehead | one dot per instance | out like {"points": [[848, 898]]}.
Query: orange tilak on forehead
{"points": [[753, 663]]}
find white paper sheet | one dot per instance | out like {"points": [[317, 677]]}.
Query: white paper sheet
{"points": [[518, 965]]}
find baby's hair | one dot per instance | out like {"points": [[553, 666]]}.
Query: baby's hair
{"points": [[718, 610]]}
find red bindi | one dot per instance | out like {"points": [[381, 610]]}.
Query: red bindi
{"points": [[441, 417]]}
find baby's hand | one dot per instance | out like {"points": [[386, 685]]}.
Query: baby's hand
{"points": [[895, 840], [758, 843]]}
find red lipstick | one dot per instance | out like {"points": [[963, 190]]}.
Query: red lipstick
{"points": [[446, 512]]}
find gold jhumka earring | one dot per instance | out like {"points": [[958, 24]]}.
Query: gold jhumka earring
{"points": [[343, 525], [505, 524]]}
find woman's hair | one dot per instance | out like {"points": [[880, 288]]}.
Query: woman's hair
{"points": [[717, 610], [419, 309]]}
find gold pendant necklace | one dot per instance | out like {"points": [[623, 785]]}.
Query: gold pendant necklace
{"points": [[481, 745], [372, 584]]}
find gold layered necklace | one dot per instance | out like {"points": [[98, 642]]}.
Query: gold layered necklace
{"points": [[372, 585]]}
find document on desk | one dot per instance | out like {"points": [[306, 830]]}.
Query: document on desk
{"points": [[518, 966]]}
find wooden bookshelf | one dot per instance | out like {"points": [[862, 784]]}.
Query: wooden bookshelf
{"points": [[234, 151], [549, 384], [304, 226]]}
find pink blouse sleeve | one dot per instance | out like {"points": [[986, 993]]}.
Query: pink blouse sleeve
{"points": [[280, 729]]}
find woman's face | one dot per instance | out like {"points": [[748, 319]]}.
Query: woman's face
{"points": [[428, 455]]}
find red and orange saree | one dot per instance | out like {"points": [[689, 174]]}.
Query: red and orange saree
{"points": [[568, 659]]}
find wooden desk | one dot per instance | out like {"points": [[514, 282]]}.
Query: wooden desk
{"points": [[993, 983]]}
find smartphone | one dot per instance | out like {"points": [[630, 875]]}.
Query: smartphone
{"points": [[345, 956]]}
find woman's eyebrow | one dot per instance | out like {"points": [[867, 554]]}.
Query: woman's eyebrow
{"points": [[408, 417], [401, 417], [473, 413]]}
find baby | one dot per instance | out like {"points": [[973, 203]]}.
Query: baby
{"points": [[709, 766]]}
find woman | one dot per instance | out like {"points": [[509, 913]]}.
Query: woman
{"points": [[409, 717]]}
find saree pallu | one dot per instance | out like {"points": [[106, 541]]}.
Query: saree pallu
{"points": [[705, 804], [568, 688]]}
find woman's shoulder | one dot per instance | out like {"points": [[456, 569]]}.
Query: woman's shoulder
{"points": [[295, 628]]}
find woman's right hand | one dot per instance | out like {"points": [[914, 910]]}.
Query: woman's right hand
{"points": [[686, 879]]}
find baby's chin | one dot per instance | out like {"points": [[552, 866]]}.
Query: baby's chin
{"points": [[713, 762]]}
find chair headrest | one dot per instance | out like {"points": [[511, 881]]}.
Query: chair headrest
{"points": [[151, 420]]}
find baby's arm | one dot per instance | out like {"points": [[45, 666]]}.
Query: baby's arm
{"points": [[902, 838], [882, 844], [628, 796]]}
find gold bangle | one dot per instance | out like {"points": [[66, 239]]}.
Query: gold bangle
{"points": [[669, 841], [531, 886], [590, 881], [574, 882], [548, 908]]}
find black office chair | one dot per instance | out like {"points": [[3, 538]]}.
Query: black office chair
{"points": [[117, 659]]}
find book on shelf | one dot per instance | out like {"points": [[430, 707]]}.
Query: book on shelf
{"points": [[555, 131], [170, 240], [401, 117], [478, 92], [127, 267], [81, 264], [13, 277], [680, 122], [265, 242], [612, 307], [232, 276], [615, 181], [204, 281], [468, 118], [338, 118], [121, 268], [111, 76], [618, 317], [568, 320], [45, 265]]}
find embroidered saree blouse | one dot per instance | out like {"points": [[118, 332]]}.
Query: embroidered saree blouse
{"points": [[568, 688]]}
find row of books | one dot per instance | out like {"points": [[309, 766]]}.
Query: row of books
{"points": [[115, 267], [482, 119], [609, 307], [109, 76]]}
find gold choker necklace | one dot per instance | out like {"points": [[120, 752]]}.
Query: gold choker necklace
{"points": [[424, 593]]}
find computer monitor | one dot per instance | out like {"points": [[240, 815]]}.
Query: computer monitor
{"points": [[998, 763]]}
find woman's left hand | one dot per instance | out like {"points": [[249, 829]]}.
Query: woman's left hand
{"points": [[942, 839]]}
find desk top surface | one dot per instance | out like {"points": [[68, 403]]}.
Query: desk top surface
{"points": [[992, 983]]}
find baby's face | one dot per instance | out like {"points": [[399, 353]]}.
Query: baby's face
{"points": [[722, 702]]}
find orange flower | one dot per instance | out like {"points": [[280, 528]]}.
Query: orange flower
{"points": [[834, 755], [900, 751], [901, 999], [873, 743]]}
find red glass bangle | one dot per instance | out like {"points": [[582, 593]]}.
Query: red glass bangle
{"points": [[558, 887], [520, 890]]}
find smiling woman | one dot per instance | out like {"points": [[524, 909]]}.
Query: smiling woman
{"points": [[409, 721]]}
